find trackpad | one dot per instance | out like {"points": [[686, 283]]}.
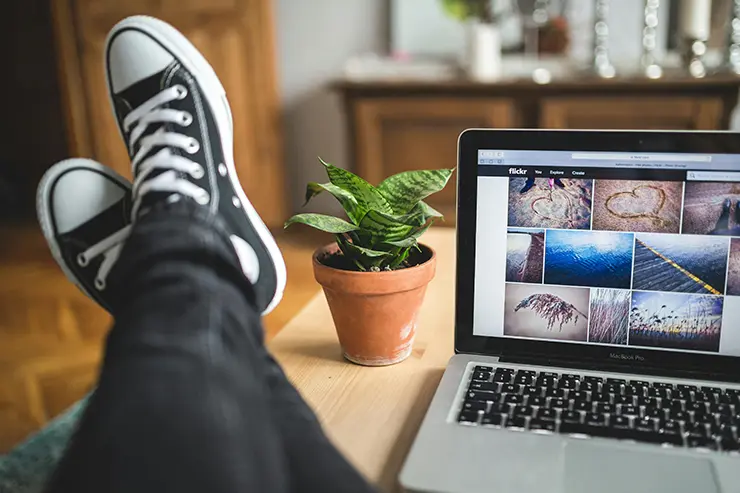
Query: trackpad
{"points": [[595, 468]]}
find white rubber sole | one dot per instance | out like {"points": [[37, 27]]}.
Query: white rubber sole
{"points": [[43, 206], [195, 63]]}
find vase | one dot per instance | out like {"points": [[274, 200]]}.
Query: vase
{"points": [[483, 56]]}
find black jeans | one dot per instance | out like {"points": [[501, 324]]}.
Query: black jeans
{"points": [[189, 400]]}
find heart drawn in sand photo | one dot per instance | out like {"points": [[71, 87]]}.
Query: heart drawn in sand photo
{"points": [[643, 206], [553, 206], [643, 201], [550, 203]]}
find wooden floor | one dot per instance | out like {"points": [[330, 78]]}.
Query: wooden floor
{"points": [[51, 334]]}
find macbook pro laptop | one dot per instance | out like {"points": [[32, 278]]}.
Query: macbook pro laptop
{"points": [[597, 331]]}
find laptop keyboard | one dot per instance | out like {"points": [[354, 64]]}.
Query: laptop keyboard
{"points": [[653, 412]]}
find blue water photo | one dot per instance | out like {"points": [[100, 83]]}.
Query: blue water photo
{"points": [[600, 259], [680, 263]]}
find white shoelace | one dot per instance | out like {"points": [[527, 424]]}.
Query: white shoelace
{"points": [[169, 181], [152, 112], [110, 248]]}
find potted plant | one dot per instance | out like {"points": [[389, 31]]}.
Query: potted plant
{"points": [[483, 51], [375, 274]]}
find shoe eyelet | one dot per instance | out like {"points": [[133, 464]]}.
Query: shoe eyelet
{"points": [[82, 260], [203, 198], [236, 202], [193, 146], [181, 91], [197, 172], [99, 284], [222, 170], [187, 119]]}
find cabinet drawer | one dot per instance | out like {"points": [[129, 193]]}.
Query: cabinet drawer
{"points": [[632, 112]]}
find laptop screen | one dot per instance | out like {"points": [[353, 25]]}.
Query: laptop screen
{"points": [[609, 249]]}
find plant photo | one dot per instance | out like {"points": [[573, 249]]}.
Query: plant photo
{"points": [[676, 321], [546, 312], [383, 222], [610, 313]]}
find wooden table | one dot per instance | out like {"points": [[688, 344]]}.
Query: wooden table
{"points": [[373, 414]]}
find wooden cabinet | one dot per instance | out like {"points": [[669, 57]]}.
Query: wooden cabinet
{"points": [[395, 136], [398, 126], [652, 113], [237, 38]]}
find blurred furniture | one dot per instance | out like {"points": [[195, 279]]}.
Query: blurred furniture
{"points": [[372, 414], [402, 125], [236, 36]]}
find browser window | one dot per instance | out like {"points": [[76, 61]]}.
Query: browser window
{"points": [[609, 248]]}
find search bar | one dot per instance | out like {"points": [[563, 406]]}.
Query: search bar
{"points": [[712, 176], [623, 156]]}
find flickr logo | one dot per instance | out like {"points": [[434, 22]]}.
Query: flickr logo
{"points": [[517, 171]]}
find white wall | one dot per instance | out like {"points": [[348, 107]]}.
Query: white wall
{"points": [[315, 38]]}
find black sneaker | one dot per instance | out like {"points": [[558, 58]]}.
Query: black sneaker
{"points": [[173, 115], [84, 211]]}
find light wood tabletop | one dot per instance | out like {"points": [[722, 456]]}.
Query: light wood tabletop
{"points": [[373, 414]]}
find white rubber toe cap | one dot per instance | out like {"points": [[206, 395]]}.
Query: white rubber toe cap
{"points": [[133, 56]]}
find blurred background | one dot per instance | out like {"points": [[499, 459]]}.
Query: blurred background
{"points": [[376, 86]]}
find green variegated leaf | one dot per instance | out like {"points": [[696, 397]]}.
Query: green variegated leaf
{"points": [[384, 227], [322, 222], [367, 252], [429, 211], [404, 190], [348, 201], [367, 196], [411, 240]]}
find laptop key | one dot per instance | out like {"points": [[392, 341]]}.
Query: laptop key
{"points": [[617, 381], [590, 378], [558, 403], [546, 414], [536, 400], [510, 388], [492, 420], [468, 416], [538, 424], [485, 368], [564, 383], [619, 421], [644, 424], [583, 406], [513, 399], [624, 399], [518, 422], [549, 374], [482, 376], [570, 417], [531, 373], [522, 411], [603, 407], [588, 386], [531, 390], [481, 395], [627, 410], [724, 409], [559, 393], [524, 379], [475, 406], [484, 386], [503, 377], [594, 419]]}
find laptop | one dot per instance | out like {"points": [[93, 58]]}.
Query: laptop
{"points": [[597, 331]]}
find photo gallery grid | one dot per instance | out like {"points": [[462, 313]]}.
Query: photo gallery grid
{"points": [[625, 262]]}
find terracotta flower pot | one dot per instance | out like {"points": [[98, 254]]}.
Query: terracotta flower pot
{"points": [[374, 312]]}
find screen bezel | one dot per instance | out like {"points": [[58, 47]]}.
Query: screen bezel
{"points": [[470, 141]]}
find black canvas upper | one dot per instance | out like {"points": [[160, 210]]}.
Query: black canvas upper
{"points": [[103, 225], [210, 155]]}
